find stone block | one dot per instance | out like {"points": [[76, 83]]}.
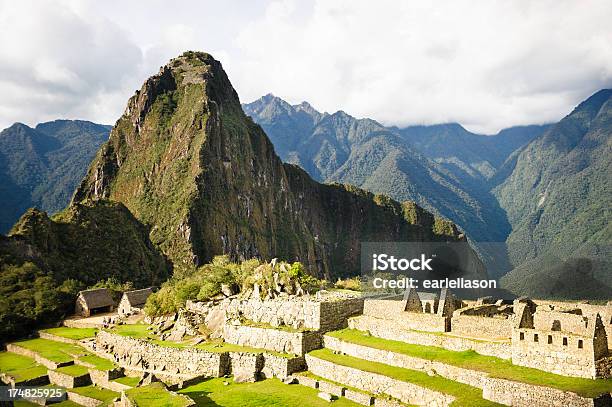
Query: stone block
{"points": [[359, 397]]}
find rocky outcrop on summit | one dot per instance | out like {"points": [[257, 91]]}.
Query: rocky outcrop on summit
{"points": [[189, 164]]}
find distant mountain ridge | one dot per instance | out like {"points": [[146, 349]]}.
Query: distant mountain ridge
{"points": [[440, 167], [545, 189], [558, 197], [42, 166]]}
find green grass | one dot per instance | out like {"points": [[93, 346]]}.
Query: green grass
{"points": [[20, 367], [140, 331], [495, 367], [97, 361], [154, 395], [73, 370], [95, 392], [266, 393], [72, 333], [128, 380], [55, 351], [218, 346], [465, 395]]}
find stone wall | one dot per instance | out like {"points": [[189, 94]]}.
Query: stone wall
{"points": [[297, 343], [384, 329], [35, 381], [482, 327], [245, 367], [68, 381], [469, 377], [104, 379], [57, 338], [335, 314], [374, 383], [392, 310], [552, 351], [83, 400], [278, 366], [527, 395], [182, 362], [498, 390], [307, 312]]}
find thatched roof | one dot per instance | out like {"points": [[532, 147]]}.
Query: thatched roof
{"points": [[137, 297], [97, 298]]}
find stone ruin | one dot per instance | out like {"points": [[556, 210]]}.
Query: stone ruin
{"points": [[563, 338]]}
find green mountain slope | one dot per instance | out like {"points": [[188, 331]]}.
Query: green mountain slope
{"points": [[338, 147], [41, 167], [189, 164], [557, 198], [44, 262]]}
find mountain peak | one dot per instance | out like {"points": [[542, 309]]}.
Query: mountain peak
{"points": [[189, 164]]}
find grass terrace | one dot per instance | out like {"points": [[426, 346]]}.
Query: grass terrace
{"points": [[139, 331], [73, 370], [465, 396], [104, 395], [495, 367], [59, 352], [128, 380], [266, 393], [98, 362], [72, 333], [155, 395], [20, 367]]}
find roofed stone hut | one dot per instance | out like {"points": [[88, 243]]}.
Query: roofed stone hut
{"points": [[94, 301], [133, 301]]}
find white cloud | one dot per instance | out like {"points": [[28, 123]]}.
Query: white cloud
{"points": [[486, 64]]}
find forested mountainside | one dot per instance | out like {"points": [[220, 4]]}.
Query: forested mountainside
{"points": [[340, 148], [557, 198], [42, 166], [189, 164], [545, 189]]}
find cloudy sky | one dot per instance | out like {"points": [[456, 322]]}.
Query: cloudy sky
{"points": [[486, 64]]}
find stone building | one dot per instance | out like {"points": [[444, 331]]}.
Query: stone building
{"points": [[132, 302], [94, 301], [562, 342]]}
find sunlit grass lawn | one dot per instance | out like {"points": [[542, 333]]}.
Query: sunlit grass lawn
{"points": [[495, 367], [73, 370], [140, 331], [97, 361], [155, 395], [55, 351], [72, 333], [128, 380], [266, 393], [95, 392], [20, 367]]}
